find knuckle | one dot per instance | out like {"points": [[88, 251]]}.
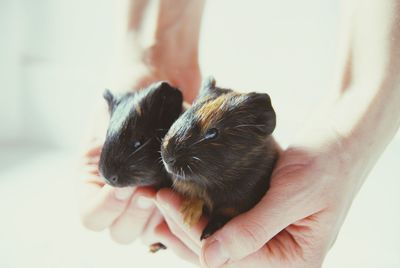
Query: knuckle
{"points": [[247, 239], [253, 231]]}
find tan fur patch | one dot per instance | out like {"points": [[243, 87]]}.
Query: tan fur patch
{"points": [[166, 141], [192, 209], [211, 112], [192, 191], [138, 110]]}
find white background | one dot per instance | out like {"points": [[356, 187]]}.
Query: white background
{"points": [[54, 56]]}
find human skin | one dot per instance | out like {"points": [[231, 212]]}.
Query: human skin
{"points": [[318, 176], [145, 52]]}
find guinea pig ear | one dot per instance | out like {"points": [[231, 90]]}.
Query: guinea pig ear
{"points": [[168, 94], [109, 97], [207, 86], [260, 104], [165, 101], [208, 89]]}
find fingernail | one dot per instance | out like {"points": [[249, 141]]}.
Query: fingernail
{"points": [[123, 193], [144, 203], [215, 255]]}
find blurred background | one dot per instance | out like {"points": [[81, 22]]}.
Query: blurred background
{"points": [[54, 56]]}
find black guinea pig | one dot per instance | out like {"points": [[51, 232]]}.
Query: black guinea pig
{"points": [[138, 121], [221, 154]]}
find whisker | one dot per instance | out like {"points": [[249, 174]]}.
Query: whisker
{"points": [[197, 142], [247, 125], [196, 158], [191, 170], [174, 181], [184, 175], [140, 148]]}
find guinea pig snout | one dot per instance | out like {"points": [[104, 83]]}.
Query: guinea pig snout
{"points": [[113, 177], [173, 162], [170, 160], [112, 180]]}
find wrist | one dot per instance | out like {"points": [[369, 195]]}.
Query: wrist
{"points": [[349, 134], [149, 66]]}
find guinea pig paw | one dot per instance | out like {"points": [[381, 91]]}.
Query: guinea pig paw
{"points": [[213, 225], [153, 248], [192, 209]]}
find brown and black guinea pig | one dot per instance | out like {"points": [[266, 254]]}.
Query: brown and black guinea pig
{"points": [[221, 154], [138, 121]]}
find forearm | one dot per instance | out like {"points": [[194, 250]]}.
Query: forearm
{"points": [[364, 113], [160, 36], [367, 113]]}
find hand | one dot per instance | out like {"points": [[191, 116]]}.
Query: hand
{"points": [[128, 213], [169, 203], [296, 222], [294, 225]]}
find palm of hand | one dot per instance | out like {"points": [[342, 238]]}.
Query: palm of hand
{"points": [[299, 217]]}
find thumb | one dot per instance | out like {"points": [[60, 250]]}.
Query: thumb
{"points": [[248, 232]]}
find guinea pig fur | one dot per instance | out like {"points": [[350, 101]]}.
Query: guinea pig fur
{"points": [[221, 154], [138, 121]]}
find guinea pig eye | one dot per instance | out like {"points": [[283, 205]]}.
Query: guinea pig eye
{"points": [[212, 133], [137, 144]]}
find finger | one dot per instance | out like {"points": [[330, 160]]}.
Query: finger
{"points": [[170, 203], [157, 231], [90, 170], [103, 207], [93, 161], [178, 232], [93, 151], [163, 234], [249, 231], [132, 221], [148, 236]]}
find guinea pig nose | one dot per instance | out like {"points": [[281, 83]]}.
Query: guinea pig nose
{"points": [[112, 180], [171, 161]]}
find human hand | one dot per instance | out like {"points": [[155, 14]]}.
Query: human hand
{"points": [[294, 225]]}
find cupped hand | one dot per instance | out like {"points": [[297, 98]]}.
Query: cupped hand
{"points": [[128, 213], [124, 211], [294, 225]]}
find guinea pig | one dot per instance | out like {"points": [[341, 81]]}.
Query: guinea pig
{"points": [[138, 121], [221, 154]]}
